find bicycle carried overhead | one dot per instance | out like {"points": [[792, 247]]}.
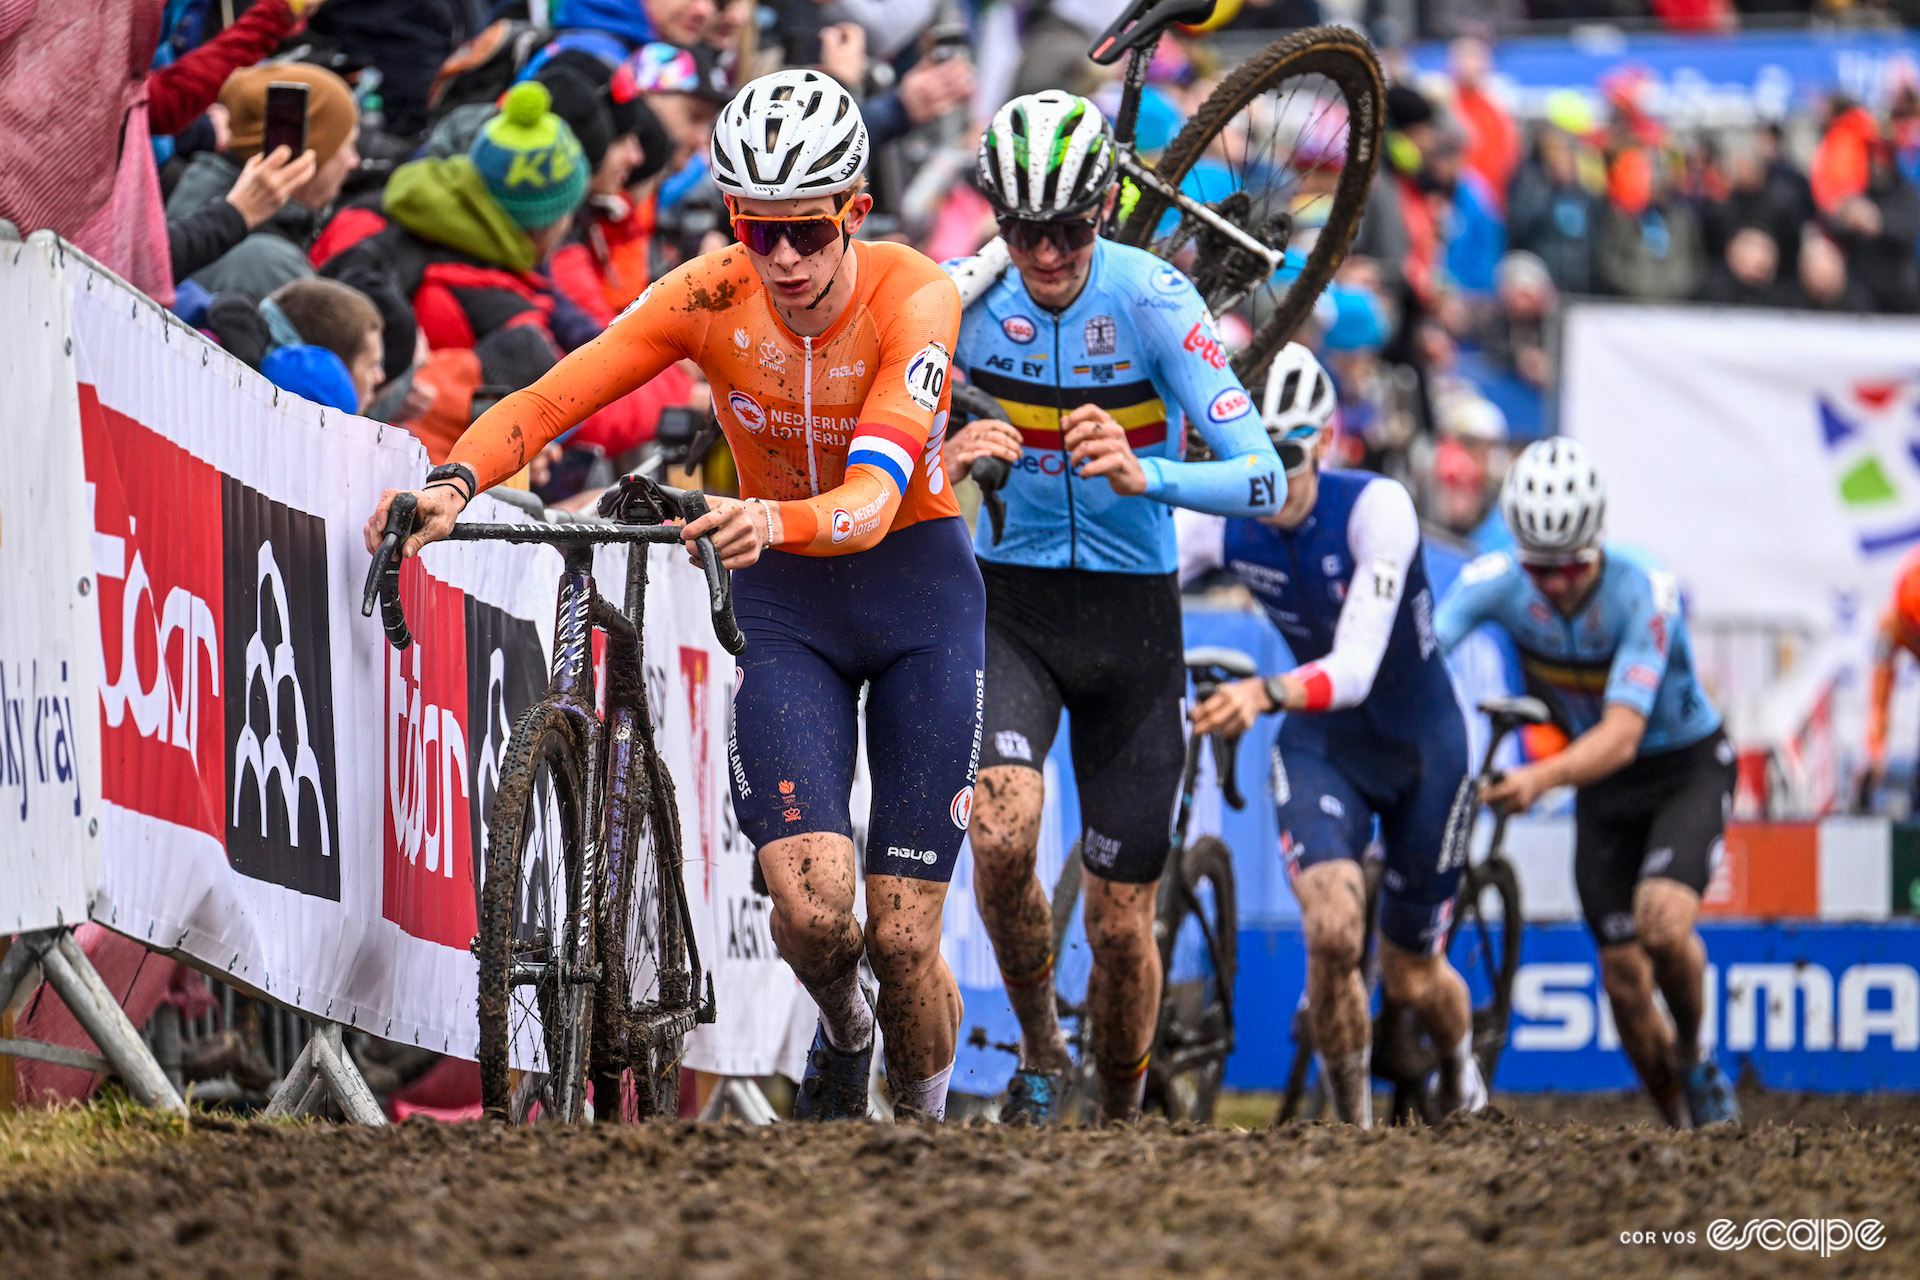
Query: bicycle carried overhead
{"points": [[589, 970]]}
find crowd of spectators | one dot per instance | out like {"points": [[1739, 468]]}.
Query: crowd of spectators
{"points": [[484, 187]]}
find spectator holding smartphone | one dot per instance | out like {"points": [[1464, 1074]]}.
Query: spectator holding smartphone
{"points": [[274, 252]]}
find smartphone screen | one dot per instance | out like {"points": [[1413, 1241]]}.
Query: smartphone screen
{"points": [[286, 124]]}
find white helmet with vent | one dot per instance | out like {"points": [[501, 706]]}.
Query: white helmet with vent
{"points": [[788, 136], [1554, 500], [1299, 393], [1047, 156]]}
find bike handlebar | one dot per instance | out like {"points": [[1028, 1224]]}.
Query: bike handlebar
{"points": [[656, 503]]}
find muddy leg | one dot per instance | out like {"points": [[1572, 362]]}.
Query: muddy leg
{"points": [[810, 878], [1013, 905], [919, 1000], [1333, 913], [1123, 991]]}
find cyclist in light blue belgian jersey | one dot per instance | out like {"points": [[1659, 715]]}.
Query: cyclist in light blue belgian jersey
{"points": [[1100, 355], [1603, 643]]}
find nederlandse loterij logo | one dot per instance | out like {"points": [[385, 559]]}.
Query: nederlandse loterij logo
{"points": [[1824, 1236], [1868, 430]]}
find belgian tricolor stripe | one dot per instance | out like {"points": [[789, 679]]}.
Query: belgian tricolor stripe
{"points": [[1574, 677], [1034, 408]]}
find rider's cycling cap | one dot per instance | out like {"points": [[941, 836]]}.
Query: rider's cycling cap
{"points": [[1554, 501], [1046, 156], [788, 136]]}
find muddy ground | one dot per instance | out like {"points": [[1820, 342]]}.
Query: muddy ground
{"points": [[1520, 1192]]}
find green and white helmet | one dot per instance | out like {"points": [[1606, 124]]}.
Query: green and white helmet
{"points": [[1046, 156]]}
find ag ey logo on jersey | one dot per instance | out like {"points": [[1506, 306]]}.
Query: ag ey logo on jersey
{"points": [[1019, 328], [748, 411], [1202, 342], [927, 376], [1228, 405]]}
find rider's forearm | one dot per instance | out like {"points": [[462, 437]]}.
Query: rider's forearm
{"points": [[1605, 749], [1246, 484], [508, 436], [852, 517]]}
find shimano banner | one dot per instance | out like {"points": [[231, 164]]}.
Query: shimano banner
{"points": [[288, 801], [49, 738]]}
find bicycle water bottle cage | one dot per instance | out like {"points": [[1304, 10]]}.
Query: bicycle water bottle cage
{"points": [[1139, 24]]}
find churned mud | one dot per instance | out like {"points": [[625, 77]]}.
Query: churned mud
{"points": [[1497, 1196]]}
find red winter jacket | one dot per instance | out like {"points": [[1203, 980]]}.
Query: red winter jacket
{"points": [[180, 93]]}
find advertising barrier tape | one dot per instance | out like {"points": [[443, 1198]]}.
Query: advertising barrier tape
{"points": [[284, 800]]}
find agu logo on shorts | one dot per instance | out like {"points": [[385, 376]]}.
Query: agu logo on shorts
{"points": [[748, 411], [962, 808], [1228, 405], [1019, 328]]}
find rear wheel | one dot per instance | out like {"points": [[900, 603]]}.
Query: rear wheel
{"points": [[1197, 928], [1285, 149], [535, 943]]}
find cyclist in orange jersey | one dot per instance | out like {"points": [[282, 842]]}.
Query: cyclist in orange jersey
{"points": [[1899, 630], [828, 360]]}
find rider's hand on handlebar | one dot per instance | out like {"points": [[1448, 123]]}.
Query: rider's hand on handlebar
{"points": [[440, 506], [738, 530], [1097, 446], [981, 438], [1514, 791], [1233, 708]]}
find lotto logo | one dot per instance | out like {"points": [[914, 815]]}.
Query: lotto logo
{"points": [[842, 524], [1019, 328], [1201, 342], [962, 808]]}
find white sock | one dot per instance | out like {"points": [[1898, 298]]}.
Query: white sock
{"points": [[1350, 1081], [928, 1097], [1462, 1056], [845, 1013]]}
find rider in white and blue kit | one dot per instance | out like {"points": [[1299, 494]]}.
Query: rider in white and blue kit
{"points": [[1372, 731], [1603, 642], [1100, 356]]}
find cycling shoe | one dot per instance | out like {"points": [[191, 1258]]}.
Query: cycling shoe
{"points": [[1471, 1096], [835, 1084], [1032, 1097], [1710, 1097]]}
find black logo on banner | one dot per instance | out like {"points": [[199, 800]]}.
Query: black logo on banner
{"points": [[283, 822], [506, 673]]}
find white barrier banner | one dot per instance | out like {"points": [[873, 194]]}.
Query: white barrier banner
{"points": [[49, 737], [1772, 459], [287, 799]]}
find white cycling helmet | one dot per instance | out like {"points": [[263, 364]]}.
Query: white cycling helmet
{"points": [[1299, 393], [787, 136], [1046, 156], [1554, 501]]}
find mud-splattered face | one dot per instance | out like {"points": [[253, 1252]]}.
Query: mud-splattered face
{"points": [[793, 279]]}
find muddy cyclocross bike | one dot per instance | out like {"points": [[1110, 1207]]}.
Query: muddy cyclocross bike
{"points": [[589, 969], [1483, 938], [1260, 193]]}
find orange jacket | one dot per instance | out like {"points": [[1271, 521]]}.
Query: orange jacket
{"points": [[1899, 629]]}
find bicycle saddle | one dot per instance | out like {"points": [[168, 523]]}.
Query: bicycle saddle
{"points": [[1220, 663], [1139, 23], [1508, 713]]}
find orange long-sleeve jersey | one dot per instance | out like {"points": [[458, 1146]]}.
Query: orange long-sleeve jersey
{"points": [[842, 431], [1899, 629]]}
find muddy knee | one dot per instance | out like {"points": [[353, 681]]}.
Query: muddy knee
{"points": [[1005, 826], [1408, 977], [1626, 974], [1663, 915], [901, 949]]}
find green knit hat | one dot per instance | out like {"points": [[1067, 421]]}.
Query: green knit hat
{"points": [[531, 162]]}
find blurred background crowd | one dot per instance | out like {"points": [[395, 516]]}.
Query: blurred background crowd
{"points": [[400, 268]]}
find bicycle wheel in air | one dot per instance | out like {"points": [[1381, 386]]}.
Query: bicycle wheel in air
{"points": [[1199, 956], [536, 934], [1489, 919], [1285, 149]]}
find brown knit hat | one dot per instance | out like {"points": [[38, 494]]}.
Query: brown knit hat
{"points": [[331, 113]]}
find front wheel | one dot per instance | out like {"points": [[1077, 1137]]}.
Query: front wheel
{"points": [[1285, 149], [535, 945], [1197, 926], [1488, 924]]}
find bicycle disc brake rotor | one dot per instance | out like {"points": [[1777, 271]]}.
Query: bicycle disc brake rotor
{"points": [[1225, 272]]}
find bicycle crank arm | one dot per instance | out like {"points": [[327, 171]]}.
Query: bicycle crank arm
{"points": [[1193, 208]]}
